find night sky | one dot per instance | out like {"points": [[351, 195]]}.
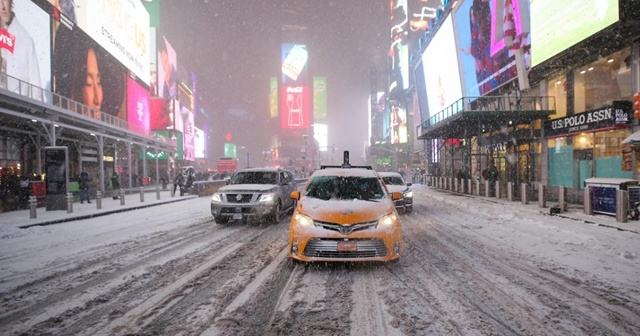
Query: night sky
{"points": [[234, 47]]}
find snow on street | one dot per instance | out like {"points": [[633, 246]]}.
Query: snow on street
{"points": [[469, 266]]}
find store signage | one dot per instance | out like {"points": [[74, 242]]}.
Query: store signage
{"points": [[602, 118]]}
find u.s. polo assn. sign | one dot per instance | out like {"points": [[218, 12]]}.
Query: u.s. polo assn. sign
{"points": [[605, 117]]}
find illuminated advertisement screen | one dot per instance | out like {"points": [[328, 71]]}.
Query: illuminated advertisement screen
{"points": [[199, 144], [294, 64], [138, 107], [484, 62], [421, 12], [558, 25], [441, 74], [399, 50], [398, 125], [84, 72], [321, 135], [179, 112], [121, 28], [294, 107], [273, 97], [319, 97], [161, 115], [189, 135], [25, 46], [167, 69]]}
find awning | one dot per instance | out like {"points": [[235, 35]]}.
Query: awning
{"points": [[633, 139]]}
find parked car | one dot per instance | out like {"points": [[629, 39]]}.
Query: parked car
{"points": [[395, 182], [255, 195], [344, 213]]}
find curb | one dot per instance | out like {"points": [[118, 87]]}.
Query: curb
{"points": [[103, 213]]}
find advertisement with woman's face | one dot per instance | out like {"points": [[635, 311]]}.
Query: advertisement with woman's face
{"points": [[137, 107], [86, 73], [26, 44]]}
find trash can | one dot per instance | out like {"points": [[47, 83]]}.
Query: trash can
{"points": [[603, 192]]}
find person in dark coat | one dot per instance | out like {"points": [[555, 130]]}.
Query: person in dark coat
{"points": [[115, 184], [179, 182], [83, 184]]}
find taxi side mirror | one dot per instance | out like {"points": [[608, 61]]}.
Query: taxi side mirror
{"points": [[296, 195], [396, 195]]}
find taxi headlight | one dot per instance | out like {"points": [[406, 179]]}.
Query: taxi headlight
{"points": [[388, 220], [302, 220], [267, 198], [216, 198]]}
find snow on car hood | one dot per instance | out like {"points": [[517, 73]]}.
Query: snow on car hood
{"points": [[345, 211], [247, 187]]}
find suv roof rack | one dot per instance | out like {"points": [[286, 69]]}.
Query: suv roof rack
{"points": [[345, 163]]}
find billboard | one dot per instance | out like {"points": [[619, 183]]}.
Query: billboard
{"points": [[25, 47], [558, 25], [295, 106], [319, 98], [167, 69], [320, 134], [189, 135], [199, 143], [121, 27], [441, 73], [161, 114], [484, 61], [294, 64], [138, 109], [399, 49], [83, 71], [398, 125], [273, 97]]}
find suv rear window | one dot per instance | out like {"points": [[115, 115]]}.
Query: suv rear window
{"points": [[254, 178]]}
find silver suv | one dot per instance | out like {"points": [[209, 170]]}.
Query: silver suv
{"points": [[255, 194]]}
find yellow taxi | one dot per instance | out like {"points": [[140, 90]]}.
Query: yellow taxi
{"points": [[345, 213]]}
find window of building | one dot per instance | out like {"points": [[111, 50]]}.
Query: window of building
{"points": [[601, 82], [583, 141], [607, 143], [557, 87]]}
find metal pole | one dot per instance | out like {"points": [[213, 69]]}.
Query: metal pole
{"points": [[69, 202], [98, 199], [33, 204]]}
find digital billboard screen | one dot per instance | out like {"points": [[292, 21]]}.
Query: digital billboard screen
{"points": [[167, 69], [399, 49], [84, 72], [441, 73], [26, 48], [161, 114], [121, 28], [319, 98], [189, 135], [199, 143], [294, 107], [558, 25], [398, 125], [273, 97], [138, 109], [484, 61], [294, 64]]}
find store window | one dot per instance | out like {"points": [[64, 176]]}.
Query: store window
{"points": [[600, 83], [607, 144], [557, 87], [583, 141]]}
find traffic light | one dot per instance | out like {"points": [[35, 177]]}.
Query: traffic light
{"points": [[636, 105]]}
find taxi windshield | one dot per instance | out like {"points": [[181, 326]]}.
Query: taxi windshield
{"points": [[345, 188]]}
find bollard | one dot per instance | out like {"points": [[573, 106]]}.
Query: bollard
{"points": [[524, 193], [498, 189], [121, 196], [486, 188], [141, 194], [588, 207], [69, 202], [469, 189], [33, 205], [542, 195], [157, 191], [98, 199], [562, 198], [510, 191], [477, 191], [622, 205]]}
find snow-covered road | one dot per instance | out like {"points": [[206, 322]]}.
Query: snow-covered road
{"points": [[470, 266]]}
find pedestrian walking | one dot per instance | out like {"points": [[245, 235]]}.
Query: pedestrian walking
{"points": [[83, 184], [179, 182], [115, 184]]}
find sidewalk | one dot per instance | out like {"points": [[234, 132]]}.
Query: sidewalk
{"points": [[574, 212], [21, 218]]}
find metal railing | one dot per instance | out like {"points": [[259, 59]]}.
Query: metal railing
{"points": [[491, 103], [39, 94]]}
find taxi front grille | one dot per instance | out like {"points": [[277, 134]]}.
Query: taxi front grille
{"points": [[328, 248], [346, 229]]}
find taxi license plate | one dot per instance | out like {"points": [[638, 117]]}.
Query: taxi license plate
{"points": [[347, 246], [237, 216]]}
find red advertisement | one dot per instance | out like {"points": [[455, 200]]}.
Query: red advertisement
{"points": [[161, 117], [294, 107], [138, 111], [7, 40]]}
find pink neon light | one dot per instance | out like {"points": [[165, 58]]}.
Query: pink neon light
{"points": [[497, 46]]}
